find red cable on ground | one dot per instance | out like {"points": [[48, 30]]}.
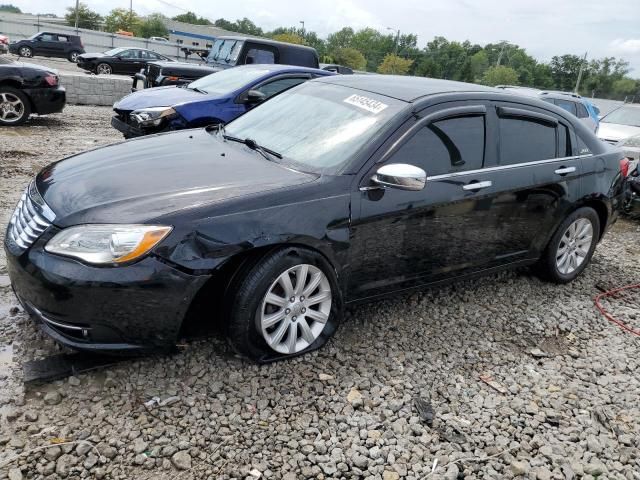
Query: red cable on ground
{"points": [[608, 316]]}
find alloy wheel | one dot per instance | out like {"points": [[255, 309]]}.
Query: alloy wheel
{"points": [[11, 108], [574, 246], [104, 69], [25, 52], [74, 57], [295, 309]]}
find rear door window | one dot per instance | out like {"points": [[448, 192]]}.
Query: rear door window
{"points": [[446, 146], [526, 140], [277, 86], [567, 105], [62, 38]]}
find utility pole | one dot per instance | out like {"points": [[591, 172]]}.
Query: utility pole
{"points": [[302, 22], [503, 44], [77, 13], [584, 61], [130, 7], [395, 49]]}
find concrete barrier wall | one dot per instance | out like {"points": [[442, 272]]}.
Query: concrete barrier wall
{"points": [[18, 27], [94, 90]]}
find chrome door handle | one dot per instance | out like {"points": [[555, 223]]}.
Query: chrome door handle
{"points": [[565, 170], [477, 185]]}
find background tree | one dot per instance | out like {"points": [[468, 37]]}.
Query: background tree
{"points": [[7, 7], [121, 19], [245, 26], [191, 18], [87, 18], [500, 75], [395, 65], [349, 57], [152, 26], [289, 38]]}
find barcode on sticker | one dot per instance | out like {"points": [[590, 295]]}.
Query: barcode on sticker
{"points": [[373, 106]]}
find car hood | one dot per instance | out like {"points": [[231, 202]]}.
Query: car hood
{"points": [[159, 97], [93, 56], [161, 175], [180, 68], [614, 132]]}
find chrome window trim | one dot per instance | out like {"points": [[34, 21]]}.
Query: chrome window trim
{"points": [[505, 167]]}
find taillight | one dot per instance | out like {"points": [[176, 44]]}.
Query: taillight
{"points": [[51, 80], [624, 167]]}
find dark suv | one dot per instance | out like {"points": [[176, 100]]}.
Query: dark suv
{"points": [[229, 52], [49, 44], [342, 189]]}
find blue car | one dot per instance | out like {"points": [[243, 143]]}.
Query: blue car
{"points": [[215, 99]]}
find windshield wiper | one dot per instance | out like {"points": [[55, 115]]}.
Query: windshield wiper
{"points": [[196, 89], [253, 146]]}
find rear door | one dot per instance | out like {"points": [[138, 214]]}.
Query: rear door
{"points": [[535, 180], [61, 45]]}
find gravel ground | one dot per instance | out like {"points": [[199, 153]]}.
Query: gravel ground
{"points": [[525, 379]]}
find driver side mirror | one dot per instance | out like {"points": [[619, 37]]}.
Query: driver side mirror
{"points": [[255, 96], [401, 176]]}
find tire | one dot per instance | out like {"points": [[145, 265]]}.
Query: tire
{"points": [[104, 69], [264, 331], [15, 107], [25, 52], [73, 56], [567, 254]]}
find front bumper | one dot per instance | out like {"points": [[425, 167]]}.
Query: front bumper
{"points": [[126, 129], [130, 309], [47, 100]]}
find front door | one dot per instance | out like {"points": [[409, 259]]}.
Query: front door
{"points": [[401, 239]]}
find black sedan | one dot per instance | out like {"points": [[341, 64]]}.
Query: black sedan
{"points": [[119, 60], [342, 189], [27, 89]]}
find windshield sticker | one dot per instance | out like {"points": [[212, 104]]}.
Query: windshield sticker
{"points": [[369, 104]]}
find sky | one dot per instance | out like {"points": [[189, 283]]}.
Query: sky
{"points": [[543, 27]]}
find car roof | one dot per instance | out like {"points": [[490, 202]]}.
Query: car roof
{"points": [[404, 88], [279, 68], [265, 41]]}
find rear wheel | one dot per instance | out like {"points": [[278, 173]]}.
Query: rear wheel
{"points": [[25, 52], [104, 69], [285, 305], [571, 247], [14, 106], [73, 56]]}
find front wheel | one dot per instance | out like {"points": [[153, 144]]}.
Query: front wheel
{"points": [[25, 52], [285, 305], [104, 69], [571, 247]]}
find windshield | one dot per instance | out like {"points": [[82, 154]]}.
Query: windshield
{"points": [[227, 81], [114, 51], [624, 116], [225, 51], [316, 126]]}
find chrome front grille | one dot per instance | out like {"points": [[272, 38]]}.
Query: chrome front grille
{"points": [[29, 221]]}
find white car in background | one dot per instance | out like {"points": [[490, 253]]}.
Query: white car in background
{"points": [[622, 123]]}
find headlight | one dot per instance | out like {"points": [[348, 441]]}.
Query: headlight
{"points": [[107, 244], [152, 117], [630, 142]]}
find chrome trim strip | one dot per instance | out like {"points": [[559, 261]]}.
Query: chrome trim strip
{"points": [[505, 167], [59, 325]]}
